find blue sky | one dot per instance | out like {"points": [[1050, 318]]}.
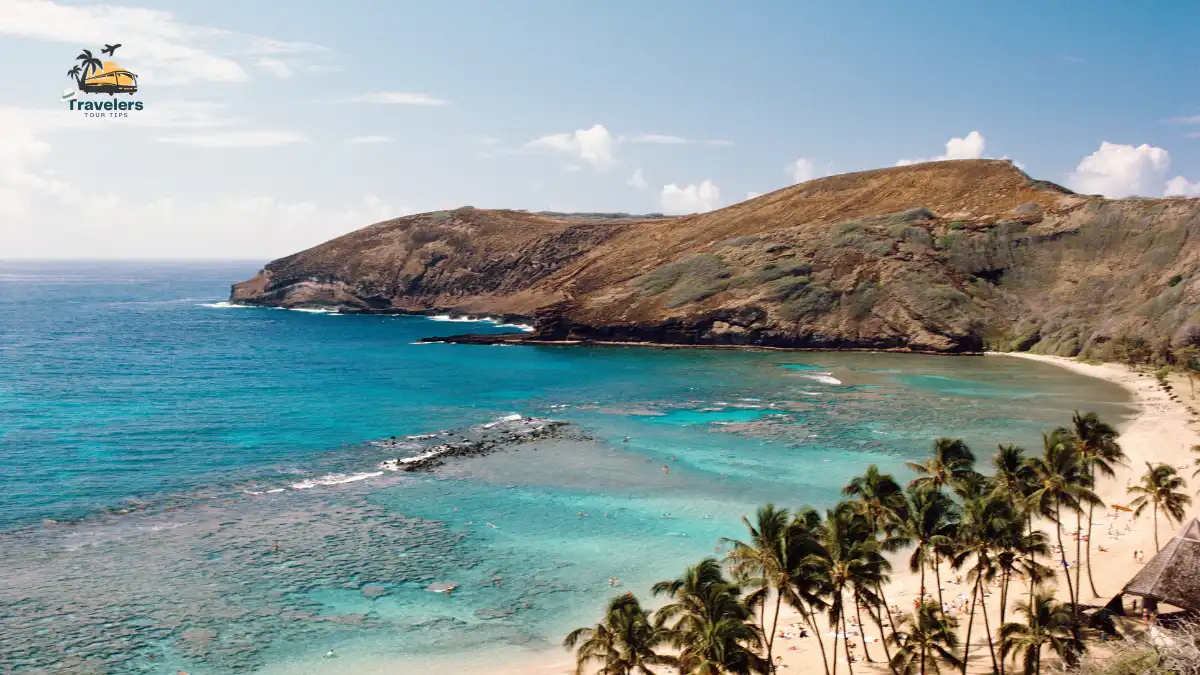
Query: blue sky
{"points": [[270, 127]]}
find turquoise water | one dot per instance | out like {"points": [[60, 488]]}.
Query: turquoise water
{"points": [[152, 441]]}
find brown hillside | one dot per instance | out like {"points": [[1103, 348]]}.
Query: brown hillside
{"points": [[943, 256]]}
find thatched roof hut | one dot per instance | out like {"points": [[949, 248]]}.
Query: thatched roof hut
{"points": [[1172, 576]]}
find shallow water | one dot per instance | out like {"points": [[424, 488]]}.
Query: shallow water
{"points": [[131, 388]]}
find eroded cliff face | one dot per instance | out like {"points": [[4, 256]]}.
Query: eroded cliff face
{"points": [[945, 257]]}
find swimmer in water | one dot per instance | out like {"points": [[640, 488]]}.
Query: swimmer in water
{"points": [[665, 469]]}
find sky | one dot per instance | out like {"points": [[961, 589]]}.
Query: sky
{"points": [[268, 128]]}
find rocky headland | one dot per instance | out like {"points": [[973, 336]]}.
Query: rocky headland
{"points": [[945, 257]]}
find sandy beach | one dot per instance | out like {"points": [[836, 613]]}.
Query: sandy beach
{"points": [[1162, 430]]}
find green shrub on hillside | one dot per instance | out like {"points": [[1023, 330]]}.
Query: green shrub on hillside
{"points": [[687, 280], [776, 270], [811, 301]]}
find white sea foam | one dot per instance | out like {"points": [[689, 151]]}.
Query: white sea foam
{"points": [[524, 328], [224, 305], [824, 378], [311, 310], [334, 479], [480, 319], [395, 464]]}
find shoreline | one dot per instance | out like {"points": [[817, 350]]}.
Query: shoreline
{"points": [[1161, 430]]}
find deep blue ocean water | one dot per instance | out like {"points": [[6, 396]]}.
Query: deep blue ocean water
{"points": [[152, 438]]}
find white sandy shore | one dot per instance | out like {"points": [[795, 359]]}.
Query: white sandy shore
{"points": [[1162, 430]]}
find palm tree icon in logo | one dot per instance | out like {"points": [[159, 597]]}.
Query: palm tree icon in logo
{"points": [[93, 76]]}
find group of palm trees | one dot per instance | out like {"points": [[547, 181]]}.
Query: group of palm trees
{"points": [[722, 616]]}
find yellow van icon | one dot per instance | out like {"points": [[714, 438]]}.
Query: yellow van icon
{"points": [[94, 76]]}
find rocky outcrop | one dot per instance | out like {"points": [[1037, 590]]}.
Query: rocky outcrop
{"points": [[951, 256]]}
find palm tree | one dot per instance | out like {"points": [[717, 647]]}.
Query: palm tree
{"points": [[930, 523], [952, 465], [708, 623], [880, 500], [849, 561], [1016, 553], [928, 638], [1047, 623], [1099, 451], [985, 521], [1013, 478], [763, 564], [624, 641], [1060, 483], [808, 583], [90, 65], [74, 74], [1159, 489]]}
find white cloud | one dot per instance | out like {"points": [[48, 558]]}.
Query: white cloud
{"points": [[1121, 170], [1189, 119], [1179, 186], [801, 170], [238, 139], [369, 140], [664, 139], [690, 199], [594, 145], [637, 180], [667, 139], [276, 67], [154, 44], [970, 147], [395, 98], [43, 216]]}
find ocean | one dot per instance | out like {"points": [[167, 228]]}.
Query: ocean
{"points": [[189, 485]]}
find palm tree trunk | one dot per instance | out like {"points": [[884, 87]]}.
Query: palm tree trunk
{"points": [[987, 629], [833, 625], [1078, 546], [879, 620], [774, 627], [937, 575], [1091, 583], [862, 627], [1005, 578], [774, 623], [922, 564], [1062, 558], [846, 643], [812, 623], [970, 624], [923, 650], [1032, 559], [1067, 574], [1037, 660]]}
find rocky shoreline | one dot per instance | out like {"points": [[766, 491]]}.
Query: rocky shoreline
{"points": [[500, 435], [533, 339]]}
